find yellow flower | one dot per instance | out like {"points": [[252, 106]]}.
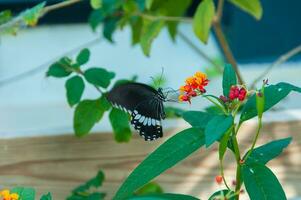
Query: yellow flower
{"points": [[200, 78], [14, 196], [200, 75], [5, 194]]}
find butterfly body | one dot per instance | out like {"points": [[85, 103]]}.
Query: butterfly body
{"points": [[144, 104]]}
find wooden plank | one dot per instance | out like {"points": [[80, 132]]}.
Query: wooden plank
{"points": [[59, 163]]}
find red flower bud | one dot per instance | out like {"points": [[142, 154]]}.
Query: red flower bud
{"points": [[231, 95], [223, 98], [236, 92], [219, 179], [185, 97], [187, 88], [242, 94], [192, 93]]}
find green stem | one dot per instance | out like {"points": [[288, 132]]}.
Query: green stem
{"points": [[216, 104], [255, 139], [237, 157], [223, 175]]}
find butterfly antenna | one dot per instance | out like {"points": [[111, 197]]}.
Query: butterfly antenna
{"points": [[162, 71]]}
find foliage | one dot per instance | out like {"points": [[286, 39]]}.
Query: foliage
{"points": [[87, 190], [146, 20], [259, 180], [22, 193], [89, 111]]}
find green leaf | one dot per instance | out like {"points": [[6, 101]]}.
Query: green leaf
{"points": [[163, 197], [202, 19], [32, 15], [95, 4], [83, 56], [174, 8], [223, 145], [261, 183], [74, 89], [87, 196], [197, 119], [46, 196], [173, 112], [150, 31], [120, 124], [269, 151], [60, 69], [5, 16], [219, 195], [136, 27], [148, 4], [229, 79], [87, 113], [99, 77], [93, 182], [252, 7], [96, 17], [214, 110], [150, 188], [217, 127], [24, 193], [273, 94], [82, 192], [109, 27], [164, 157]]}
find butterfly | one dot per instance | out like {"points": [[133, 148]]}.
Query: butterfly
{"points": [[145, 105]]}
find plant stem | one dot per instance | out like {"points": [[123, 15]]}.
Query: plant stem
{"points": [[17, 21], [255, 139], [59, 5], [216, 104], [217, 27], [238, 164], [223, 175], [164, 18]]}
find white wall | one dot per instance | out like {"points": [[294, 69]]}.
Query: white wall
{"points": [[37, 105]]}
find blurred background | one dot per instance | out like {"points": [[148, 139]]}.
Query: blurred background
{"points": [[33, 105]]}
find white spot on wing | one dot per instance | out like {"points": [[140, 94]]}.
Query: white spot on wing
{"points": [[149, 121], [137, 116], [141, 119], [145, 121], [153, 122]]}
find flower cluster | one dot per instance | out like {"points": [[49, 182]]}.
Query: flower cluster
{"points": [[194, 86], [6, 195], [236, 92]]}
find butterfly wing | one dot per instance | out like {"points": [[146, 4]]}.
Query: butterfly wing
{"points": [[142, 102], [146, 118]]}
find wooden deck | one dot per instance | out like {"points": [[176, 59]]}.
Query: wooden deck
{"points": [[58, 163]]}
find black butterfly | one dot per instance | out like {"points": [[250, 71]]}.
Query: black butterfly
{"points": [[144, 104]]}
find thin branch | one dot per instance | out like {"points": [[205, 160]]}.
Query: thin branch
{"points": [[219, 12], [21, 76], [18, 20], [199, 51], [283, 58], [217, 27], [59, 5], [164, 18]]}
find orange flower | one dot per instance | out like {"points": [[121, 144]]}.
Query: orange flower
{"points": [[6, 195], [194, 86]]}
